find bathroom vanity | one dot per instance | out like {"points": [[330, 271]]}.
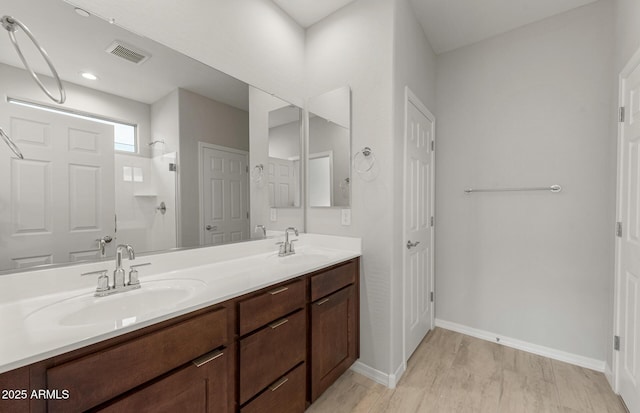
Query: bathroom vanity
{"points": [[273, 348]]}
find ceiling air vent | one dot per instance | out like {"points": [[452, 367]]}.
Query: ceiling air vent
{"points": [[127, 52]]}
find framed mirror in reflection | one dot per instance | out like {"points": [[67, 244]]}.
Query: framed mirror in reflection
{"points": [[152, 153], [329, 168]]}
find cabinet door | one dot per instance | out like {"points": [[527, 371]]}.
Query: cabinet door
{"points": [[190, 389], [333, 338]]}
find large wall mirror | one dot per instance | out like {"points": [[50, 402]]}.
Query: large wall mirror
{"points": [[153, 153], [329, 162]]}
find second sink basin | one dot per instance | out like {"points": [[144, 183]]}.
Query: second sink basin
{"points": [[118, 310]]}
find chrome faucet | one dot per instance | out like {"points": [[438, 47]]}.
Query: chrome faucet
{"points": [[286, 247], [118, 274], [119, 285]]}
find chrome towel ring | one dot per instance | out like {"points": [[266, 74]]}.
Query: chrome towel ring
{"points": [[11, 24], [364, 160], [11, 144]]}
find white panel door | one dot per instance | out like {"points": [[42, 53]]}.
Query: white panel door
{"points": [[57, 202], [628, 266], [418, 210], [225, 195], [282, 183]]}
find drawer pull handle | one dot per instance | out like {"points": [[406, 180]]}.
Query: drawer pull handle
{"points": [[278, 323], [279, 384], [201, 361], [326, 300], [279, 290]]}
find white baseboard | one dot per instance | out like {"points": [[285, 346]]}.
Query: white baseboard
{"points": [[593, 364], [373, 374], [395, 377], [608, 373]]}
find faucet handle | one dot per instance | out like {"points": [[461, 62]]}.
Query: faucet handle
{"points": [[133, 273], [103, 280]]}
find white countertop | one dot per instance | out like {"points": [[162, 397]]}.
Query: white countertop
{"points": [[37, 307]]}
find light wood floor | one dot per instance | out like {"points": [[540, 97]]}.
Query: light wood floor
{"points": [[451, 372]]}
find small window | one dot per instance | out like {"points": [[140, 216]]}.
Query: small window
{"points": [[124, 137]]}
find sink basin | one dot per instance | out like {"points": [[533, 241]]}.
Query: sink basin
{"points": [[118, 310]]}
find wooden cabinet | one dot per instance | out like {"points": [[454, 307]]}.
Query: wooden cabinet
{"points": [[14, 391], [274, 350], [270, 305], [286, 395], [200, 386], [276, 344], [99, 377], [334, 338]]}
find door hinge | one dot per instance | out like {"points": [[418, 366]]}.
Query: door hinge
{"points": [[247, 215], [431, 296], [621, 114], [433, 221], [246, 168], [619, 229], [433, 145], [616, 343], [173, 167]]}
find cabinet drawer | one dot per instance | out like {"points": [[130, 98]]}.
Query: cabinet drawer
{"points": [[285, 395], [332, 280], [190, 389], [271, 352], [101, 376], [271, 305]]}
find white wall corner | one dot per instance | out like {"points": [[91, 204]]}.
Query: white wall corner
{"points": [[395, 377], [587, 362], [373, 374], [608, 373]]}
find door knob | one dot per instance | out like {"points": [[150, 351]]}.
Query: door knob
{"points": [[412, 244], [211, 228]]}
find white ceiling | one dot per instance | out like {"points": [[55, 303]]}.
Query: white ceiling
{"points": [[450, 24], [77, 44], [309, 12]]}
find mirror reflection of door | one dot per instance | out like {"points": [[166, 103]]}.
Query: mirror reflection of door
{"points": [[53, 206], [225, 195], [283, 169]]}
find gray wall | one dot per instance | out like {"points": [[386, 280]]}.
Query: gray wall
{"points": [[528, 108], [415, 67]]}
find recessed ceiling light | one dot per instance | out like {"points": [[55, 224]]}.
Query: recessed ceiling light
{"points": [[82, 12], [89, 76]]}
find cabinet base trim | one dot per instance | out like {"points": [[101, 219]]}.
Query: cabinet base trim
{"points": [[571, 358]]}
